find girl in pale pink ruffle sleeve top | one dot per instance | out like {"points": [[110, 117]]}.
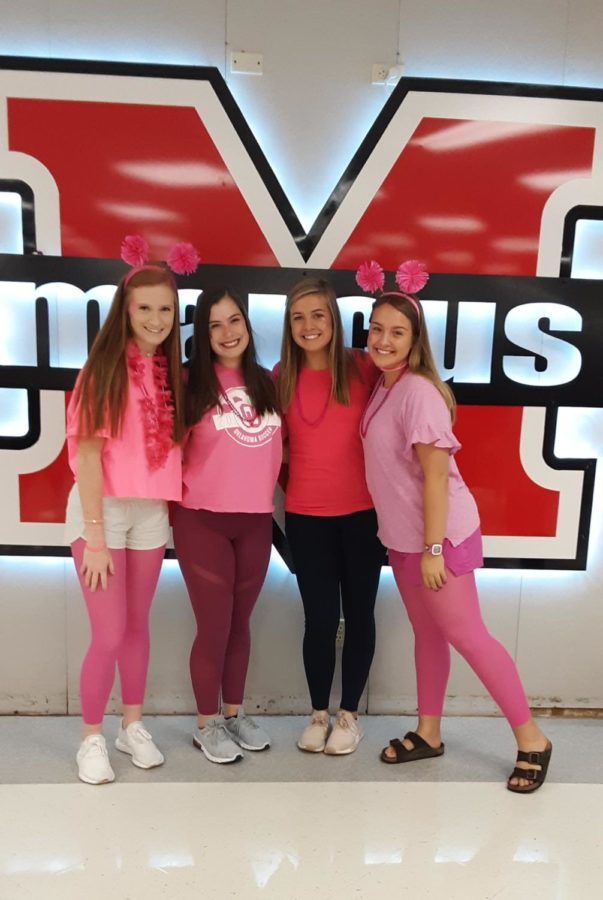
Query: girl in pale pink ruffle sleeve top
{"points": [[429, 522]]}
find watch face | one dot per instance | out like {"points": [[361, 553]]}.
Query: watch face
{"points": [[436, 549]]}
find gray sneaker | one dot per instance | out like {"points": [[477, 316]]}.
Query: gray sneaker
{"points": [[215, 743], [246, 732]]}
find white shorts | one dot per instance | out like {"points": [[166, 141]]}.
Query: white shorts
{"points": [[130, 522]]}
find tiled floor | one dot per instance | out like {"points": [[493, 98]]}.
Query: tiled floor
{"points": [[283, 825]]}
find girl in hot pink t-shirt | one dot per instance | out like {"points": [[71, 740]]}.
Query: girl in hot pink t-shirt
{"points": [[223, 527], [330, 521], [124, 425], [428, 520]]}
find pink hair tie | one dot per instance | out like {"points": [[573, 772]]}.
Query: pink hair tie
{"points": [[410, 299], [138, 269]]}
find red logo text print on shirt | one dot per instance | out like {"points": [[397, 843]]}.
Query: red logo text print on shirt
{"points": [[240, 421]]}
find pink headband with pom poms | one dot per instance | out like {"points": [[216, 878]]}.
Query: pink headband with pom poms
{"points": [[182, 259], [411, 276]]}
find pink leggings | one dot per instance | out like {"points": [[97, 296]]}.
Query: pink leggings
{"points": [[119, 623], [224, 558], [452, 616]]}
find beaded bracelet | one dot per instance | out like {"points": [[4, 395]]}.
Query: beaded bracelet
{"points": [[96, 549], [93, 521]]}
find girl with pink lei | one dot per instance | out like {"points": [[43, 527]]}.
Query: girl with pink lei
{"points": [[223, 526], [329, 516], [124, 424], [429, 522]]}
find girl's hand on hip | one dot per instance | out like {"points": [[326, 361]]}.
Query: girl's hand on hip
{"points": [[96, 567], [433, 571]]}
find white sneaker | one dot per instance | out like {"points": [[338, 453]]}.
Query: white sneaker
{"points": [[93, 764], [314, 736], [137, 741], [346, 734]]}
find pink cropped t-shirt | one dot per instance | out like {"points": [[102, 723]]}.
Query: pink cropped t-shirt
{"points": [[127, 470]]}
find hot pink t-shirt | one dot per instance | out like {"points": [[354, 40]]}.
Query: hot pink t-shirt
{"points": [[326, 463], [231, 459], [126, 469], [411, 412]]}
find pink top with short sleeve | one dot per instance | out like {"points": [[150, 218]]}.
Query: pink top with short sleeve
{"points": [[127, 470], [231, 456], [411, 412], [326, 464]]}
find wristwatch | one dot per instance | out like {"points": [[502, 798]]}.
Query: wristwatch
{"points": [[434, 549]]}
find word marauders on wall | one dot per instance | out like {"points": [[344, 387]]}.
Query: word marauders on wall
{"points": [[503, 343]]}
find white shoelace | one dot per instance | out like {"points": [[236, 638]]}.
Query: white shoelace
{"points": [[95, 746], [139, 734]]}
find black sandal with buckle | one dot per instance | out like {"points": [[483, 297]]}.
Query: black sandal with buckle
{"points": [[535, 777], [421, 750]]}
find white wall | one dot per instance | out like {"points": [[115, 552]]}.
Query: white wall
{"points": [[309, 111]]}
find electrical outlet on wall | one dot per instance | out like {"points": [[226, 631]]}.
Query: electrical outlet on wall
{"points": [[246, 63], [379, 73], [340, 633]]}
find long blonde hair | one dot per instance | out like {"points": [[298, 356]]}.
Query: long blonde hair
{"points": [[341, 362], [420, 358]]}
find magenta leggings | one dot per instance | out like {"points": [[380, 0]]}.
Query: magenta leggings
{"points": [[224, 558], [451, 616], [119, 624]]}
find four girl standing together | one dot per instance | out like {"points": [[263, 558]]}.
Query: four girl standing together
{"points": [[216, 450]]}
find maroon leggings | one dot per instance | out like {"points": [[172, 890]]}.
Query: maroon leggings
{"points": [[224, 558]]}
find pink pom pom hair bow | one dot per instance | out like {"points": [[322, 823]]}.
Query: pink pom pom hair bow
{"points": [[182, 259], [411, 277]]}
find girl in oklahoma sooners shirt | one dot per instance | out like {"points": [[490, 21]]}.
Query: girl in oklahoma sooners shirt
{"points": [[223, 527]]}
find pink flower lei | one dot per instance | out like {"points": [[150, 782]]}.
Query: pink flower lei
{"points": [[158, 412]]}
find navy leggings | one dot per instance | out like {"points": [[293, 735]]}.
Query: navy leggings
{"points": [[337, 561]]}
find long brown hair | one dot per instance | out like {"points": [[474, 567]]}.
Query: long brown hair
{"points": [[341, 362], [202, 388], [420, 358], [103, 387]]}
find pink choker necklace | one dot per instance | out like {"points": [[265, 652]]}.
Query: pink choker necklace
{"points": [[365, 421], [395, 368]]}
